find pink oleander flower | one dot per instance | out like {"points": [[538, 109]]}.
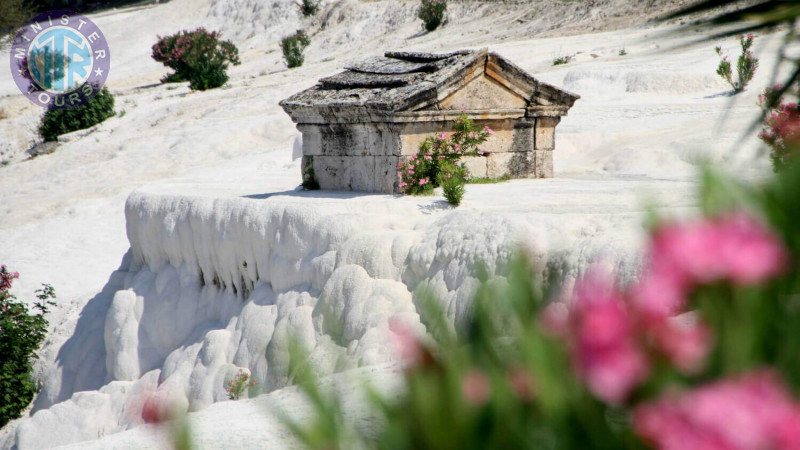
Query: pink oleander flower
{"points": [[684, 340], [405, 344], [7, 278], [735, 247], [413, 157], [488, 130], [428, 157], [424, 181], [523, 384], [753, 411], [481, 152], [399, 174], [458, 147], [475, 387], [442, 136], [403, 184], [601, 334], [156, 407], [440, 157]]}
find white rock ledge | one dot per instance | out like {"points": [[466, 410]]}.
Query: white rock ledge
{"points": [[216, 282]]}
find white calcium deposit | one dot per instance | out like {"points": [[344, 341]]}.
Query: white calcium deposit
{"points": [[182, 251]]}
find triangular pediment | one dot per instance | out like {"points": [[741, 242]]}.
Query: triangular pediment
{"points": [[483, 92]]}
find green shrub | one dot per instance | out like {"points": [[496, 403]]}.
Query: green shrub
{"points": [[439, 156], [15, 14], [236, 386], [781, 126], [293, 47], [56, 122], [308, 7], [452, 178], [310, 182], [432, 13], [198, 56], [21, 334], [559, 60], [746, 65]]}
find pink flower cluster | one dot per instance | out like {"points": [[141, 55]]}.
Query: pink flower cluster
{"points": [[6, 278], [476, 387], [601, 334], [753, 411], [782, 126], [733, 247], [612, 335]]}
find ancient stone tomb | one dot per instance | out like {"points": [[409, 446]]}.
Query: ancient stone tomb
{"points": [[357, 125]]}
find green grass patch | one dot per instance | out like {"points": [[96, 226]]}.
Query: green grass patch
{"points": [[488, 180]]}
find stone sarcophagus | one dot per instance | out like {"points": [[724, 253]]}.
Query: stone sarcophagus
{"points": [[357, 125]]}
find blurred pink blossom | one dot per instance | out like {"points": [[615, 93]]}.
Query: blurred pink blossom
{"points": [[405, 344], [602, 335], [522, 382], [735, 247], [684, 340], [156, 407], [754, 411], [475, 387]]}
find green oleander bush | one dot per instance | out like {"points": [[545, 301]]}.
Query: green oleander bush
{"points": [[198, 56], [56, 122], [22, 331], [294, 47]]}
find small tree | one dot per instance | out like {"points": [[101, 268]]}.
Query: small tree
{"points": [[198, 56], [56, 122], [746, 65], [236, 386], [293, 48], [432, 13], [308, 7], [21, 334]]}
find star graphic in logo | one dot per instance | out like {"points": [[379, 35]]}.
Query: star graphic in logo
{"points": [[98, 72]]}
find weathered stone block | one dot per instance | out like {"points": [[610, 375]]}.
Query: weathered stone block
{"points": [[414, 133], [498, 164], [312, 139], [522, 165], [386, 179], [545, 138], [523, 139], [351, 139], [477, 166], [348, 173], [544, 163]]}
